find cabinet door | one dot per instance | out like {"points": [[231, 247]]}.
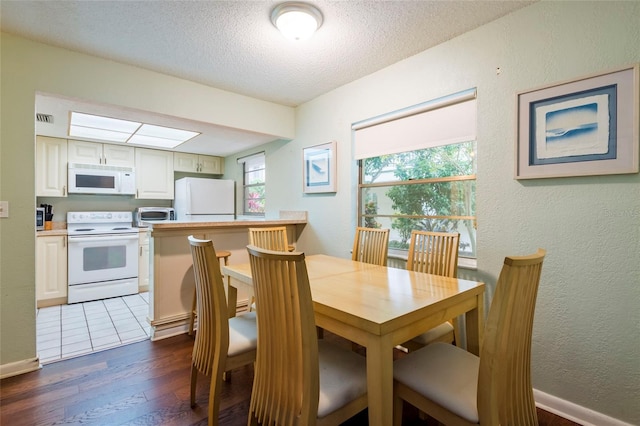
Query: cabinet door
{"points": [[210, 164], [183, 162], [118, 155], [51, 167], [85, 152], [143, 262], [154, 174], [51, 270]]}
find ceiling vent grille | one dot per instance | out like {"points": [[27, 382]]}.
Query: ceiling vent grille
{"points": [[44, 118]]}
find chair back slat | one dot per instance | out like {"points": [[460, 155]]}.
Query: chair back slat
{"points": [[434, 253], [506, 393], [370, 246], [286, 380], [273, 238]]}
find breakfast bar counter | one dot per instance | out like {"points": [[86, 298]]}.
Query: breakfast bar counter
{"points": [[171, 281]]}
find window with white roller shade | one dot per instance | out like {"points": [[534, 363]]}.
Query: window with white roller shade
{"points": [[418, 172]]}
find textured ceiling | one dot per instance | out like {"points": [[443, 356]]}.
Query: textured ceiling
{"points": [[232, 45]]}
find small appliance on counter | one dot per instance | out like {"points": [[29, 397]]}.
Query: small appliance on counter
{"points": [[39, 218], [46, 210], [204, 200], [144, 216]]}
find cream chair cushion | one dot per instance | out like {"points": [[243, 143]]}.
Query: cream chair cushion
{"points": [[243, 334], [434, 334], [452, 373], [343, 377]]}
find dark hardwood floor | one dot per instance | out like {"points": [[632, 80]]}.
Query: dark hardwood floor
{"points": [[145, 383]]}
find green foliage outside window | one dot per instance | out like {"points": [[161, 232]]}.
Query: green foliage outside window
{"points": [[431, 190]]}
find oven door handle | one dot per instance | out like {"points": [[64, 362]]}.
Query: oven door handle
{"points": [[96, 239]]}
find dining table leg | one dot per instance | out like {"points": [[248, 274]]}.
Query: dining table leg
{"points": [[380, 380], [474, 320]]}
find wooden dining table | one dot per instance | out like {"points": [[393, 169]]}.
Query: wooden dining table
{"points": [[381, 307]]}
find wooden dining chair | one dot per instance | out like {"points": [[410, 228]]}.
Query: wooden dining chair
{"points": [[221, 254], [298, 379], [221, 343], [272, 238], [434, 253], [370, 246], [458, 388]]}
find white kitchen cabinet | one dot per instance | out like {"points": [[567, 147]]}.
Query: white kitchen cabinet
{"points": [[195, 163], [99, 153], [51, 167], [154, 174], [51, 270], [143, 262]]}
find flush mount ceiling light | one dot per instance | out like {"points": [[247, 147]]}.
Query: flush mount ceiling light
{"points": [[115, 130], [295, 20]]}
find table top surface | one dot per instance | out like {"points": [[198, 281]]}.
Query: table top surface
{"points": [[379, 298]]}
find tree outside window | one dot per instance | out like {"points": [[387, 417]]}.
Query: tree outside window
{"points": [[430, 190]]}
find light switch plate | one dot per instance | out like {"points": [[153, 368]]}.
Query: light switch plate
{"points": [[4, 209]]}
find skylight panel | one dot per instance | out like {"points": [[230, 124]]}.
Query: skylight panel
{"points": [[159, 136], [116, 130], [102, 128]]}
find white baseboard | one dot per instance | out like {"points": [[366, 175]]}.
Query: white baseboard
{"points": [[19, 367], [574, 412], [164, 331]]}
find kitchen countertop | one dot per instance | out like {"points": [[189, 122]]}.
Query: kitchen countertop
{"points": [[242, 223], [51, 233], [182, 225], [286, 218]]}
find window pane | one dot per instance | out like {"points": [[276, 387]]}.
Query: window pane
{"points": [[254, 177], [453, 198], [254, 185], [442, 161], [254, 199], [426, 207], [394, 195]]}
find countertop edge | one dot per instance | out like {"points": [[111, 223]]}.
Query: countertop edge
{"points": [[230, 224], [177, 225], [51, 233]]}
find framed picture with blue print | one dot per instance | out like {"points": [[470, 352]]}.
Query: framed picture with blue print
{"points": [[319, 168], [583, 127]]}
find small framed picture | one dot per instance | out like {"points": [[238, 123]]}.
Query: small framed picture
{"points": [[587, 126], [319, 168]]}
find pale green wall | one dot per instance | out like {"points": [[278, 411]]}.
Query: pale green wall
{"points": [[587, 328], [586, 343], [28, 67]]}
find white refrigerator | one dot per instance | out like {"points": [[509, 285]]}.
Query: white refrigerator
{"points": [[204, 200]]}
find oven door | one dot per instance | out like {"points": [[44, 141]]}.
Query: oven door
{"points": [[94, 258]]}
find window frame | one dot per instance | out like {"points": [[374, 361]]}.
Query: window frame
{"points": [[464, 260], [448, 120], [246, 187]]}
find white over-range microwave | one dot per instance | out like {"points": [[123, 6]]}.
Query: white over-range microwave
{"points": [[101, 179]]}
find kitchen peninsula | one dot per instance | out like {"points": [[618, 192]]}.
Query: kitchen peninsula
{"points": [[171, 281]]}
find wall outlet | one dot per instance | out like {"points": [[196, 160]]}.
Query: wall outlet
{"points": [[4, 209]]}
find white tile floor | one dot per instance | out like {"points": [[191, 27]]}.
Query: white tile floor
{"points": [[71, 330]]}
